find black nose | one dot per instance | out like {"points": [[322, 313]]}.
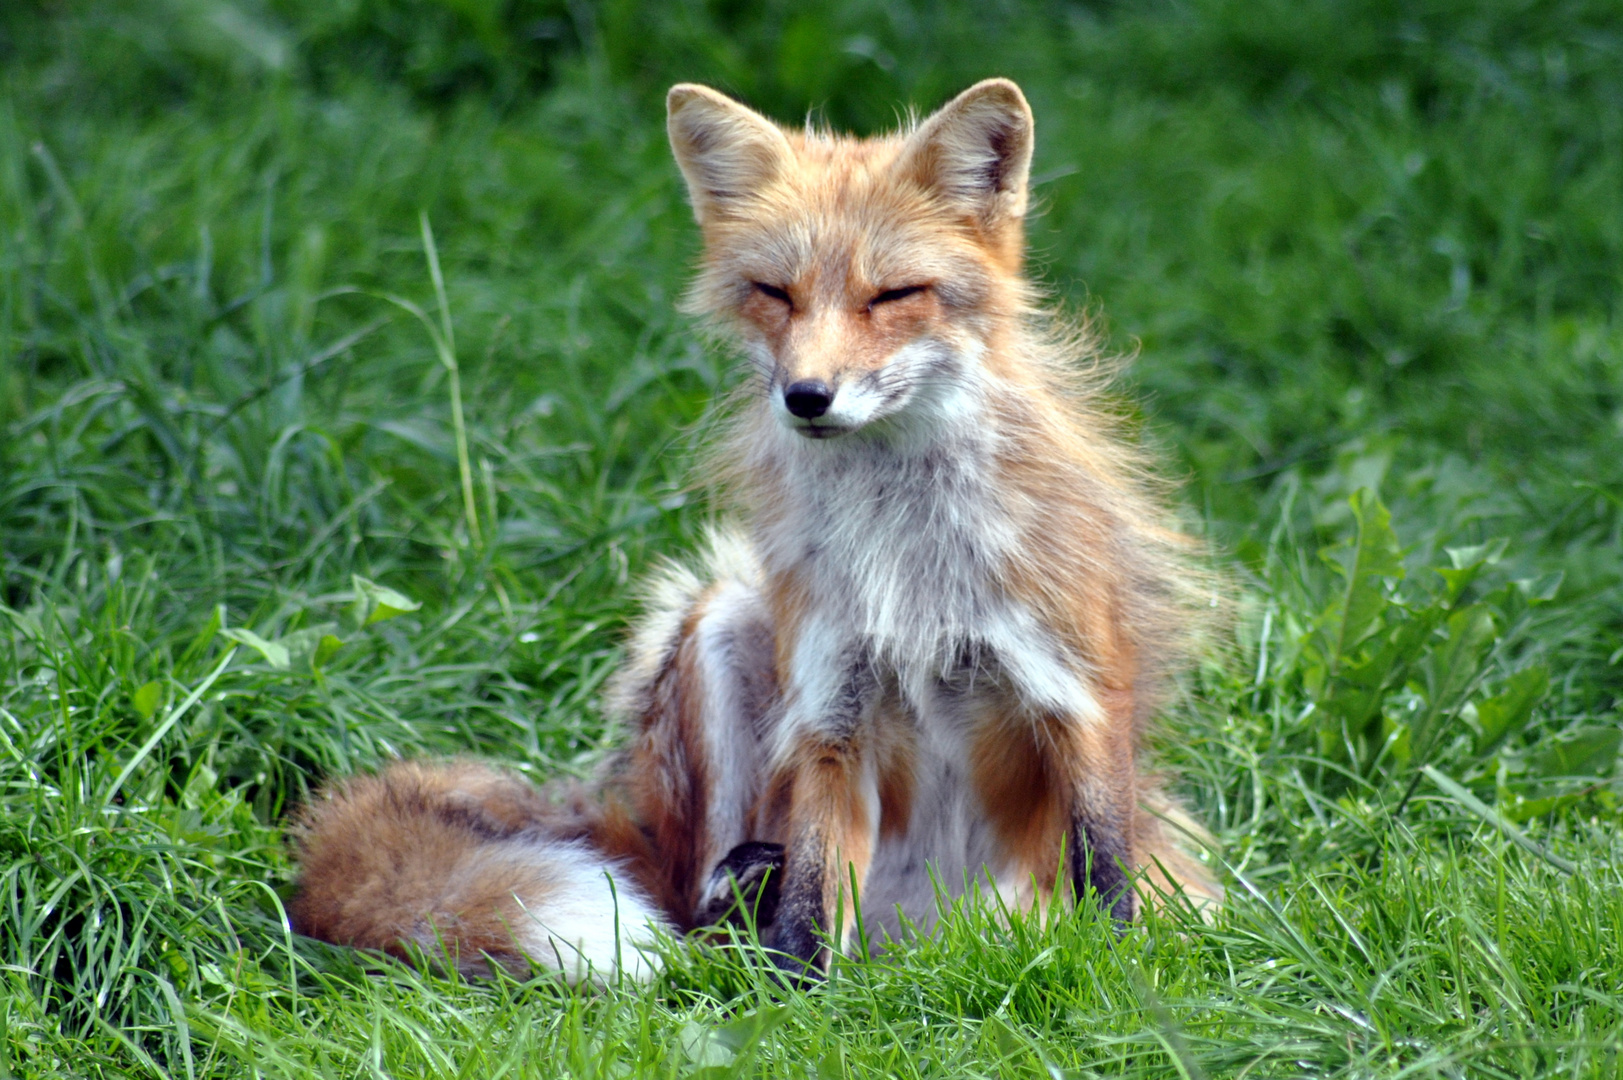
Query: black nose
{"points": [[809, 399]]}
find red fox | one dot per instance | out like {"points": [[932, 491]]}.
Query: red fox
{"points": [[926, 658]]}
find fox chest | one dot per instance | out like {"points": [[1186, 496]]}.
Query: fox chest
{"points": [[905, 552], [898, 563]]}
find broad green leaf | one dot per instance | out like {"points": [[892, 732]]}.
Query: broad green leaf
{"points": [[301, 645], [1468, 564], [1372, 559], [1463, 558], [1450, 669], [1542, 589], [1451, 666], [1352, 726], [831, 1066], [200, 788], [375, 603], [751, 1027], [703, 1047], [1395, 742], [146, 699], [274, 652], [326, 649], [1519, 809], [1589, 751], [1364, 683], [1507, 712]]}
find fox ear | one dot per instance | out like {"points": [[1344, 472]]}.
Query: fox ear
{"points": [[976, 151], [726, 152]]}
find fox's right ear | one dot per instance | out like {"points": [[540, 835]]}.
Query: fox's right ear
{"points": [[726, 152]]}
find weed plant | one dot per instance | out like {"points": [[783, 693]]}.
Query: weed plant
{"points": [[343, 396]]}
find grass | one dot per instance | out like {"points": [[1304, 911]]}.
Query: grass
{"points": [[287, 489]]}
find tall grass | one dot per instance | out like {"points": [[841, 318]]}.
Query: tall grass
{"points": [[344, 396]]}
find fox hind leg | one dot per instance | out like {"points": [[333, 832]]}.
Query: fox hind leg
{"points": [[1103, 780], [1131, 842], [698, 691]]}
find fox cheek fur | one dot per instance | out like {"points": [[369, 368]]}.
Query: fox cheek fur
{"points": [[928, 656]]}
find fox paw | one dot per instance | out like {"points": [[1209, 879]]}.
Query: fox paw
{"points": [[746, 880]]}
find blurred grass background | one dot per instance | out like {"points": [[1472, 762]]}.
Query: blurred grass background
{"points": [[1353, 246]]}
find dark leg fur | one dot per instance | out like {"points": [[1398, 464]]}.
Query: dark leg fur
{"points": [[796, 935], [1100, 854]]}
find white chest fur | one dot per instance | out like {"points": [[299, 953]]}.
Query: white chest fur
{"points": [[899, 538], [902, 546]]}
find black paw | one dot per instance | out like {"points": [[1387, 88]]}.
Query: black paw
{"points": [[746, 880]]}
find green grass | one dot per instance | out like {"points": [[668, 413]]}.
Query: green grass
{"points": [[1355, 247]]}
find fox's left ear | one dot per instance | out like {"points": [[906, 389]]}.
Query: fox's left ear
{"points": [[976, 151]]}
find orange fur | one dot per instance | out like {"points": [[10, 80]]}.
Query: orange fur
{"points": [[397, 860], [806, 234], [935, 646]]}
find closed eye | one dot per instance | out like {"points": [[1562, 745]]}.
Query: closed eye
{"points": [[774, 292], [896, 294]]}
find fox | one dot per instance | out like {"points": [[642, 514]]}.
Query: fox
{"points": [[922, 656]]}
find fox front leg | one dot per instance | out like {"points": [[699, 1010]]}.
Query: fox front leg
{"points": [[832, 823]]}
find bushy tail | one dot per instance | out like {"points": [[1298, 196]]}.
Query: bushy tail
{"points": [[457, 859]]}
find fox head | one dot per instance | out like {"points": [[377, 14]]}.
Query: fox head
{"points": [[866, 278]]}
